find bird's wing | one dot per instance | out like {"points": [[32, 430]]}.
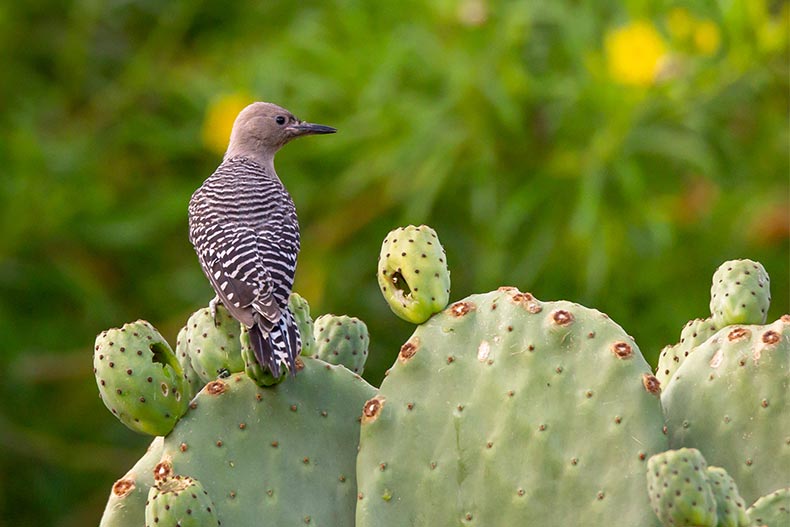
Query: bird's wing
{"points": [[237, 271]]}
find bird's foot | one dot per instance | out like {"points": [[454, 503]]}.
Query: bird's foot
{"points": [[212, 306]]}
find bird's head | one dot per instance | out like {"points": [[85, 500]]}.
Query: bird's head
{"points": [[262, 128]]}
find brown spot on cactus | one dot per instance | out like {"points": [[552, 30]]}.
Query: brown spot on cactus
{"points": [[737, 334], [216, 387], [771, 337], [123, 487], [183, 447], [460, 309], [163, 470], [622, 350], [651, 384], [562, 317], [527, 301], [408, 350], [372, 409]]}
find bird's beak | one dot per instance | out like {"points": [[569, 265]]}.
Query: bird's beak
{"points": [[303, 128]]}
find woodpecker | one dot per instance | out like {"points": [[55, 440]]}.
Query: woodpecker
{"points": [[243, 226]]}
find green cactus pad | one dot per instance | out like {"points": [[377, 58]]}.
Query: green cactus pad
{"points": [[213, 345], [179, 501], [193, 380], [504, 410], [413, 274], [694, 333], [677, 484], [126, 505], [772, 510], [740, 293], [140, 380], [284, 455], [730, 400], [342, 340], [301, 311], [730, 508]]}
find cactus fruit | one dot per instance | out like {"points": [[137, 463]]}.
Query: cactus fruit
{"points": [[740, 293], [126, 505], [413, 273], [301, 311], [213, 345], [140, 380], [678, 488], [178, 501], [487, 418], [285, 453], [772, 510], [729, 398], [694, 333], [342, 340], [730, 509]]}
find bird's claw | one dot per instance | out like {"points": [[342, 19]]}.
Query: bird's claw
{"points": [[212, 306]]}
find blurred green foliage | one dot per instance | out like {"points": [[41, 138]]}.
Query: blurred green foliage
{"points": [[508, 126]]}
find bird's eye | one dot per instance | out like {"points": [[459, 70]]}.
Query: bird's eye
{"points": [[280, 120]]}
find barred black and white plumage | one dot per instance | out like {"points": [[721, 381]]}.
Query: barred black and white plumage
{"points": [[243, 225]]}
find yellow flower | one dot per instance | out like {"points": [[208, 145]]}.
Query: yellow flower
{"points": [[219, 120], [679, 23], [634, 53], [707, 37]]}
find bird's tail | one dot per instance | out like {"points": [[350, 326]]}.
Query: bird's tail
{"points": [[276, 345]]}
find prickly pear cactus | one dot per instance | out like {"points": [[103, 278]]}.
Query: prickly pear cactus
{"points": [[740, 293], [772, 510], [342, 340], [503, 410], [678, 487], [178, 501], [694, 333], [126, 505], [140, 380], [730, 399], [301, 310], [285, 454], [193, 381], [213, 344], [730, 508], [413, 274]]}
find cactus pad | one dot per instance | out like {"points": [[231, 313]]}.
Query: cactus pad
{"points": [[284, 453], [342, 340], [730, 509], [730, 400], [179, 501], [213, 345], [694, 333], [126, 506], [677, 484], [140, 380], [740, 293], [772, 510], [413, 274], [487, 418], [301, 311]]}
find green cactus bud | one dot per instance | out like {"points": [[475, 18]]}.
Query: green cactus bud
{"points": [[262, 376], [694, 333], [413, 273], [740, 293], [213, 345], [772, 510], [678, 488], [488, 418], [730, 509], [179, 501], [342, 340], [193, 380], [126, 505], [301, 311], [729, 399], [140, 380]]}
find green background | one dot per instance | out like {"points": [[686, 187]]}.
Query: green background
{"points": [[498, 123]]}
